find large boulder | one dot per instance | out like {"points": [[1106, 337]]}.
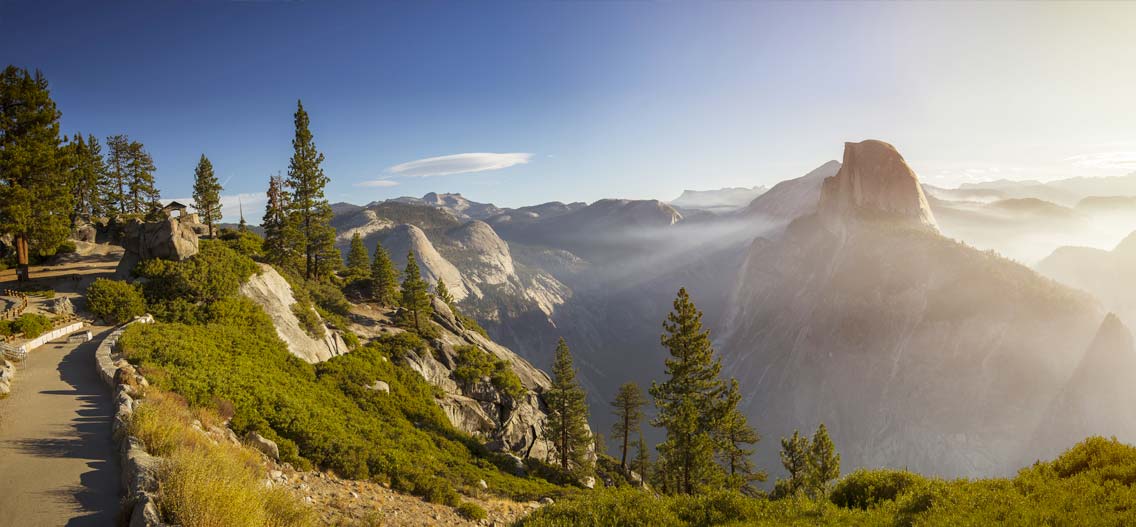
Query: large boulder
{"points": [[273, 293], [167, 239]]}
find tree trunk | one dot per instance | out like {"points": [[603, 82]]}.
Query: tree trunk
{"points": [[22, 272], [626, 432]]}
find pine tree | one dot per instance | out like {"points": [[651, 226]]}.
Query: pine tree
{"points": [[688, 401], [415, 295], [35, 190], [824, 463], [118, 175], [628, 406], [567, 425], [277, 249], [735, 439], [642, 462], [206, 193], [358, 263], [795, 459], [599, 443], [88, 177], [443, 293], [384, 278], [309, 212], [142, 196]]}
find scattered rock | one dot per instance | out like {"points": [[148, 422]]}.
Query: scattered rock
{"points": [[264, 445], [546, 501], [380, 386]]}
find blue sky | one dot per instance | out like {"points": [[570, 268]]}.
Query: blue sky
{"points": [[586, 100]]}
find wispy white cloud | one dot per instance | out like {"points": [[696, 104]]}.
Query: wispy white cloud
{"points": [[459, 164], [377, 183], [1125, 160]]}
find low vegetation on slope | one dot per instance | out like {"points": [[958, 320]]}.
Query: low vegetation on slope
{"points": [[205, 482], [219, 350], [1090, 484]]}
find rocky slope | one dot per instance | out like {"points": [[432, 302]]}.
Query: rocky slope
{"points": [[273, 293], [508, 423], [1098, 398]]}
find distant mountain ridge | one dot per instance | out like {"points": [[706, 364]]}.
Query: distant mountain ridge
{"points": [[718, 200]]}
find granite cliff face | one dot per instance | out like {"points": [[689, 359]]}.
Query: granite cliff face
{"points": [[273, 293], [1110, 275], [875, 182]]}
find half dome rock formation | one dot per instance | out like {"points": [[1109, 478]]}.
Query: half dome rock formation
{"points": [[1098, 398], [875, 182], [405, 238]]}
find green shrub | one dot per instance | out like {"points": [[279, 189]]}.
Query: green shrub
{"points": [[470, 324], [176, 291], [115, 301], [246, 243], [31, 325], [866, 488], [474, 364], [471, 511]]}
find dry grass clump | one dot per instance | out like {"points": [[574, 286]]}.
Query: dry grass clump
{"points": [[207, 483]]}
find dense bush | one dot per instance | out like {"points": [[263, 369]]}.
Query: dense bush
{"points": [[865, 488], [246, 242], [182, 291], [31, 325], [309, 320], [471, 511], [115, 301], [474, 364]]}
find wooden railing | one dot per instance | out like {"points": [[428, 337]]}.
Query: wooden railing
{"points": [[13, 313]]}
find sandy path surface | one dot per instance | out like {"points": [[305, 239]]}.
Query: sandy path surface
{"points": [[58, 463]]}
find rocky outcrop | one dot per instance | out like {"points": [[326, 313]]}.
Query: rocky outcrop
{"points": [[167, 239], [273, 293], [1109, 275], [875, 182], [266, 446], [507, 423]]}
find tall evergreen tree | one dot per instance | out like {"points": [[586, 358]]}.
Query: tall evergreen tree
{"points": [[688, 401], [415, 295], [118, 173], [309, 212], [642, 462], [443, 293], [88, 177], [358, 262], [795, 459], [567, 425], [35, 191], [142, 195], [277, 249], [206, 193], [824, 462], [628, 408], [735, 441], [384, 278]]}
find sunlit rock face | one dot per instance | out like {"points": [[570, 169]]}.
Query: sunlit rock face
{"points": [[875, 182]]}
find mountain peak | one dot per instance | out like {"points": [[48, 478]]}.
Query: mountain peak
{"points": [[875, 181]]}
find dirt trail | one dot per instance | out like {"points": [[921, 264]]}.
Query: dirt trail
{"points": [[58, 463]]}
